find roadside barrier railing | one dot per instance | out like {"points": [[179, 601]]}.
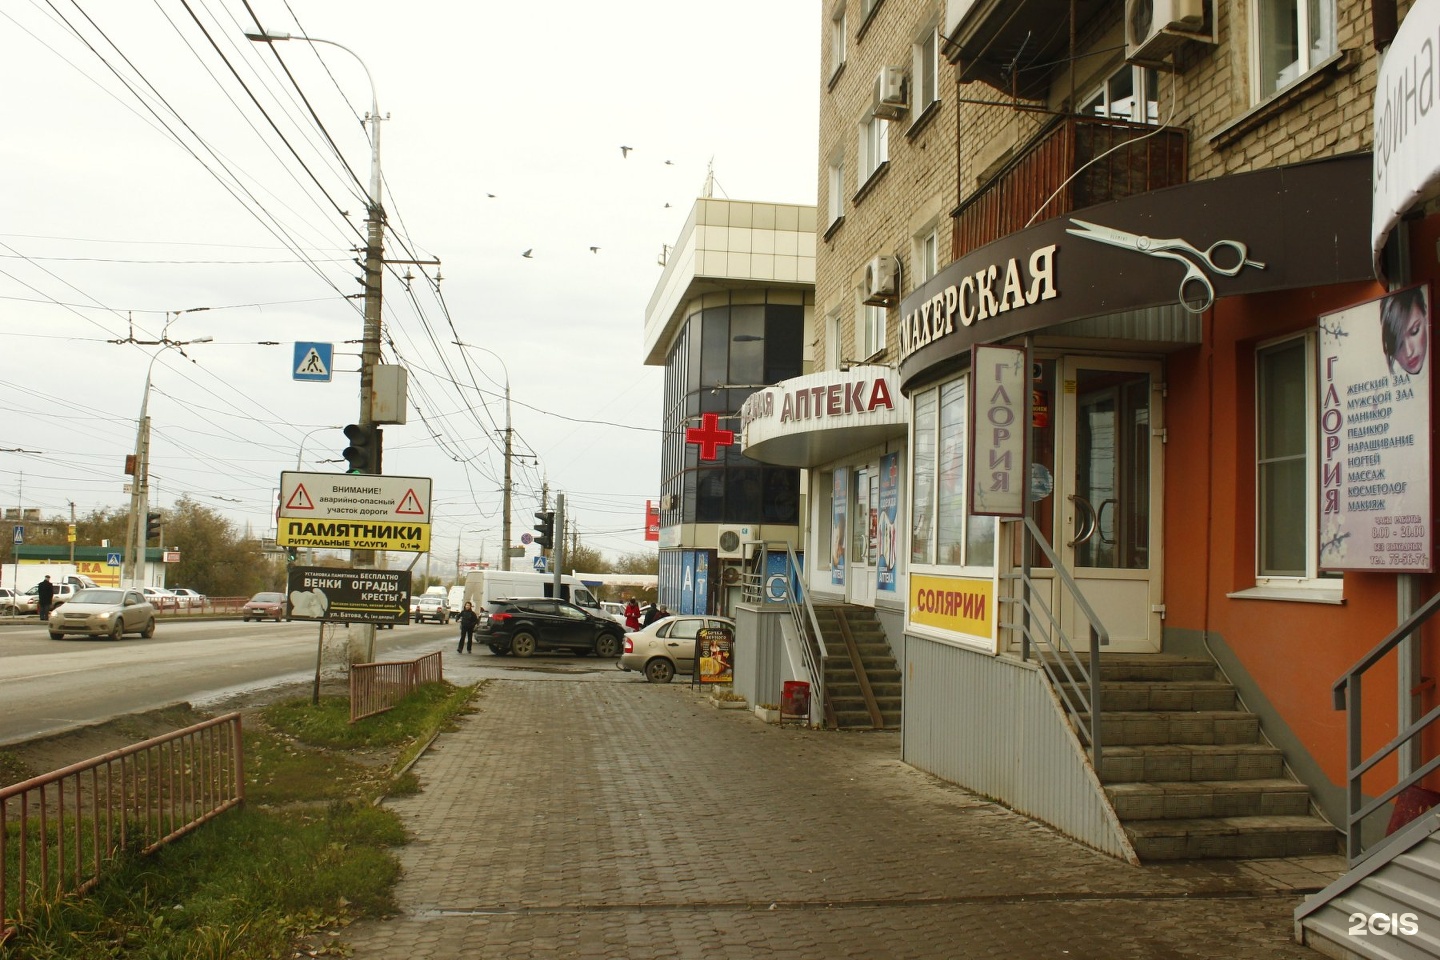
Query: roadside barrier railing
{"points": [[376, 687], [58, 831]]}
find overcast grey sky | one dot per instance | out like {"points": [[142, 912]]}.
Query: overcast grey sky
{"points": [[156, 161]]}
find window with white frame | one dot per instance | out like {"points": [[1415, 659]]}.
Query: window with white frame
{"points": [[1130, 93], [874, 145], [837, 38], [942, 531], [925, 72], [926, 254], [1286, 479], [1291, 38], [869, 330], [833, 352], [835, 202]]}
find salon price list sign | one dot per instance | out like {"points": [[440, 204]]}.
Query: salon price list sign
{"points": [[1374, 452]]}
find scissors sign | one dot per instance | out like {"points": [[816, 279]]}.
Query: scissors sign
{"points": [[1197, 293]]}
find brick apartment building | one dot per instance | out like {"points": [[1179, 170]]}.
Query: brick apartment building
{"points": [[1160, 233]]}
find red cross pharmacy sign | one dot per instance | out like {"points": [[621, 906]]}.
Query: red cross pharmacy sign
{"points": [[708, 436]]}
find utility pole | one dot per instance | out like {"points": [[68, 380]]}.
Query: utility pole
{"points": [[505, 498]]}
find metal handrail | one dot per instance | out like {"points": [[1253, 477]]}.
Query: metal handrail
{"points": [[812, 644], [1346, 694], [1067, 671]]}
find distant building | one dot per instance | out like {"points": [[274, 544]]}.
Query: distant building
{"points": [[732, 313]]}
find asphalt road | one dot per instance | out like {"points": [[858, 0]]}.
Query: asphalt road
{"points": [[49, 686]]}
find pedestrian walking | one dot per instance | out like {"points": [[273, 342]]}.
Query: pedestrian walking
{"points": [[652, 613], [468, 619], [632, 614], [47, 597]]}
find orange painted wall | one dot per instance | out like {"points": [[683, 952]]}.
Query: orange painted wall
{"points": [[1294, 650]]}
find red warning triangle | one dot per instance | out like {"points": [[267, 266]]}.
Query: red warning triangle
{"points": [[410, 504], [300, 500]]}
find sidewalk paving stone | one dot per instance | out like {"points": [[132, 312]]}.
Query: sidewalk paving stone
{"points": [[569, 818]]}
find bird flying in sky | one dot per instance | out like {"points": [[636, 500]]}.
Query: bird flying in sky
{"points": [[527, 253], [594, 249], [625, 152]]}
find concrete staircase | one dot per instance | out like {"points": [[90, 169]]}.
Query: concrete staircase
{"points": [[1187, 771], [862, 680]]}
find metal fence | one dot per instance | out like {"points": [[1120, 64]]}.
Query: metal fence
{"points": [[376, 687], [60, 829]]}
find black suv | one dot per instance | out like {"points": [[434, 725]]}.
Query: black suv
{"points": [[522, 626]]}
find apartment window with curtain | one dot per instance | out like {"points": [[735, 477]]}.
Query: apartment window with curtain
{"points": [[1286, 501], [874, 145], [1289, 39]]}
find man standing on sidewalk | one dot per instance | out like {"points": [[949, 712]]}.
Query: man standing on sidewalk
{"points": [[47, 597]]}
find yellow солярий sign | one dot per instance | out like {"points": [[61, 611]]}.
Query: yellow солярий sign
{"points": [[953, 603]]}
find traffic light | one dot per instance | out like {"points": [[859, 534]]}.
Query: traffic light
{"points": [[291, 554], [152, 526], [545, 535], [363, 454]]}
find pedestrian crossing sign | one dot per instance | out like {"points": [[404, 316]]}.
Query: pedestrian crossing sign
{"points": [[314, 361]]}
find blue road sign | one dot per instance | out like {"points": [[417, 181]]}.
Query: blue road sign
{"points": [[539, 564], [112, 558], [19, 534], [314, 361]]}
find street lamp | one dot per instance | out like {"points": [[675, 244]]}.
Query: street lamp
{"points": [[509, 449], [140, 482]]}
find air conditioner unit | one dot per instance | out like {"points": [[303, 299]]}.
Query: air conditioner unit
{"points": [[730, 545], [889, 100], [882, 280], [1154, 28]]}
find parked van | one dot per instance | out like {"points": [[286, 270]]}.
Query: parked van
{"points": [[484, 586]]}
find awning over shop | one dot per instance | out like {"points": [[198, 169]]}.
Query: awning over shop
{"points": [[1281, 228], [822, 417]]}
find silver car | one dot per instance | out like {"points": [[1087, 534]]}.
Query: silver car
{"points": [[104, 612], [667, 646]]}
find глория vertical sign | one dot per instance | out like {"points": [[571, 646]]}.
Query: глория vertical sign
{"points": [[998, 434], [1375, 473]]}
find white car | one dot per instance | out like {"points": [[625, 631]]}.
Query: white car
{"points": [[29, 601], [160, 598], [189, 599]]}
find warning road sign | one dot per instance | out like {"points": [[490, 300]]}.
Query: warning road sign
{"points": [[354, 496]]}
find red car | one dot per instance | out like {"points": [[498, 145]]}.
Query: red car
{"points": [[264, 606]]}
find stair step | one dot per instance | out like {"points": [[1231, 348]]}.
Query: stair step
{"points": [[1231, 837], [1158, 763], [1196, 799], [1175, 727], [1130, 695], [1155, 667]]}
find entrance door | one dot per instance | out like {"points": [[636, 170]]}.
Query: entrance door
{"points": [[864, 535], [1108, 477]]}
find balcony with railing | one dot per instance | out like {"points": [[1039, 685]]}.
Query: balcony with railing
{"points": [[1075, 163]]}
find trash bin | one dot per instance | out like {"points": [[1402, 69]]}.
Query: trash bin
{"points": [[795, 700]]}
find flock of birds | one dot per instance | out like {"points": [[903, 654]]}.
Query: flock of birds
{"points": [[529, 253]]}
